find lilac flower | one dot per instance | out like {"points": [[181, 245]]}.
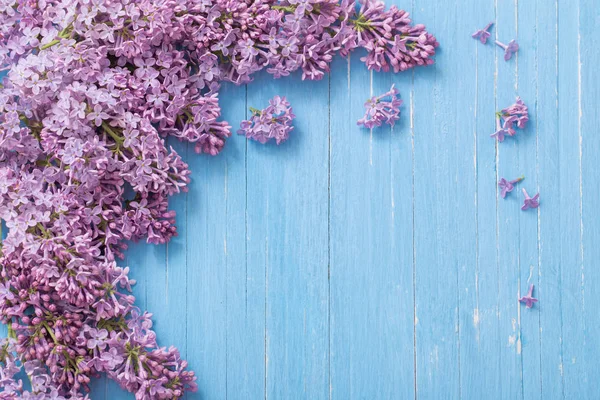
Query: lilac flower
{"points": [[528, 299], [97, 115], [97, 338], [274, 122], [483, 34], [530, 202], [508, 186], [509, 49], [517, 114], [500, 131], [379, 111], [390, 40]]}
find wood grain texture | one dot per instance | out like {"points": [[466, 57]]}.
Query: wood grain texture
{"points": [[350, 264]]}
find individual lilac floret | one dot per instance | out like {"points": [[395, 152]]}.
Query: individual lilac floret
{"points": [[508, 186], [509, 49], [528, 299], [530, 202], [500, 131], [483, 34], [379, 111], [274, 122]]}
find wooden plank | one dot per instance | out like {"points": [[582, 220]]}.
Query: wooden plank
{"points": [[546, 116], [478, 276], [483, 372], [589, 146], [437, 206], [288, 239], [371, 240], [245, 283], [528, 319], [402, 245], [568, 219], [206, 327], [508, 213]]}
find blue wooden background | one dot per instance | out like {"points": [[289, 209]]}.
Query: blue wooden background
{"points": [[348, 264]]}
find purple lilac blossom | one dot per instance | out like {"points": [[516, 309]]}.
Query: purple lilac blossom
{"points": [[500, 133], [389, 38], [509, 49], [93, 90], [506, 120], [528, 299], [508, 186], [482, 34], [274, 122], [516, 114], [379, 111], [530, 202]]}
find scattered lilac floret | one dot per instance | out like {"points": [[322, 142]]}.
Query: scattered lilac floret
{"points": [[530, 202], [509, 49], [517, 113], [500, 131], [379, 111], [506, 119], [528, 299], [508, 186], [274, 122], [483, 34]]}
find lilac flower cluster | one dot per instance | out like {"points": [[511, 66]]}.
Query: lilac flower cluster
{"points": [[93, 89], [517, 114], [378, 111], [274, 122], [42, 386]]}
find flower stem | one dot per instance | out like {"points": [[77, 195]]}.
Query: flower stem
{"points": [[11, 332], [112, 133], [289, 9], [519, 179], [61, 35], [50, 331], [48, 45], [361, 23]]}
